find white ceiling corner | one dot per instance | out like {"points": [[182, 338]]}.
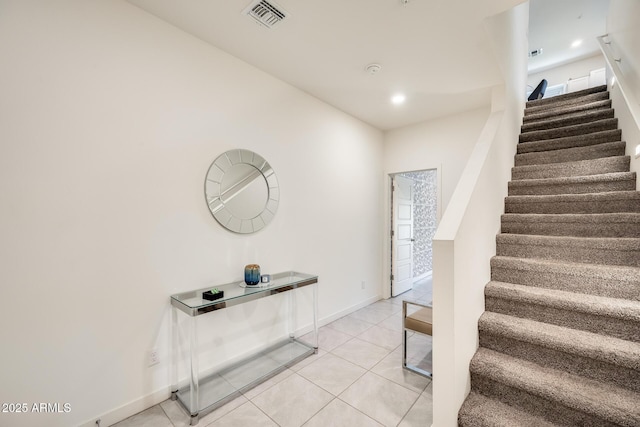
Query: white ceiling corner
{"points": [[435, 51]]}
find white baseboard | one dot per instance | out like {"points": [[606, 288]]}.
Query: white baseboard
{"points": [[326, 320], [129, 409]]}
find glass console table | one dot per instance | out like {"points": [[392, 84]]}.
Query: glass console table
{"points": [[203, 395]]}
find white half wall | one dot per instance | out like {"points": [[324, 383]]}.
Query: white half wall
{"points": [[623, 71], [623, 31], [465, 240], [109, 119]]}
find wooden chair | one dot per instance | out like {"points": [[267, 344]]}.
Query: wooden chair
{"points": [[420, 322]]}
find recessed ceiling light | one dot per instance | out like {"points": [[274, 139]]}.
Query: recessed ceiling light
{"points": [[398, 98], [576, 43]]}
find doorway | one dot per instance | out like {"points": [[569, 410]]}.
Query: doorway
{"points": [[414, 220]]}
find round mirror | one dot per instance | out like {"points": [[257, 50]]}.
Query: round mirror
{"points": [[242, 191]]}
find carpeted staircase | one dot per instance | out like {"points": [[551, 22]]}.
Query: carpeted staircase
{"points": [[560, 337]]}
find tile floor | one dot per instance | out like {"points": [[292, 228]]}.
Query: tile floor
{"points": [[356, 379]]}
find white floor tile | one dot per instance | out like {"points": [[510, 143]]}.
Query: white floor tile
{"points": [[293, 401], [391, 368], [246, 415], [382, 337], [393, 323], [370, 315], [420, 414], [339, 414], [362, 353], [328, 338], [332, 373], [350, 325], [180, 418], [268, 384], [152, 417], [380, 399]]}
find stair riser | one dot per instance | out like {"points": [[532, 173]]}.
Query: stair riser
{"points": [[601, 286], [567, 111], [600, 125], [572, 363], [549, 409], [575, 188], [571, 155], [563, 170], [630, 258], [606, 325], [571, 120], [573, 207], [480, 411], [570, 142], [577, 229]]}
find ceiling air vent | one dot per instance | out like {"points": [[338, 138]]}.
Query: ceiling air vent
{"points": [[266, 13]]}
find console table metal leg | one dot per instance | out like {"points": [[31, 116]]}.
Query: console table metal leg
{"points": [[315, 318], [292, 314], [194, 390], [174, 353]]}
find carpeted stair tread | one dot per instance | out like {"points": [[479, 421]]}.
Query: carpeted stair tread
{"points": [[617, 181], [567, 120], [585, 225], [557, 103], [566, 110], [560, 336], [584, 140], [615, 317], [614, 201], [573, 130], [577, 96], [482, 411], [602, 306], [610, 281], [596, 250], [572, 154], [606, 402], [579, 168], [590, 345]]}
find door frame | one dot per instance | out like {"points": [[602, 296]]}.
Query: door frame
{"points": [[386, 252]]}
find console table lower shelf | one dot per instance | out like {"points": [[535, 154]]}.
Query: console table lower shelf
{"points": [[204, 394], [224, 386]]}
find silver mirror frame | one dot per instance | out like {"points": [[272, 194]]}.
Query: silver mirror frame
{"points": [[215, 200]]}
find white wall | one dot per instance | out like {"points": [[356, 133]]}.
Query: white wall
{"points": [[109, 119], [562, 74], [465, 239], [624, 35], [443, 144]]}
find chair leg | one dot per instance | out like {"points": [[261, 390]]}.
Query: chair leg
{"points": [[404, 347], [411, 368]]}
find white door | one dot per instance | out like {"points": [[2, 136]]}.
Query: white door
{"points": [[402, 235]]}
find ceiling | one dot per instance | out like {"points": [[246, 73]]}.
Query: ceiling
{"points": [[555, 25], [436, 52]]}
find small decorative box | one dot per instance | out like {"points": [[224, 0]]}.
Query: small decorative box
{"points": [[212, 295]]}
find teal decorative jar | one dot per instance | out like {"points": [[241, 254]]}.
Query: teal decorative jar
{"points": [[252, 274]]}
